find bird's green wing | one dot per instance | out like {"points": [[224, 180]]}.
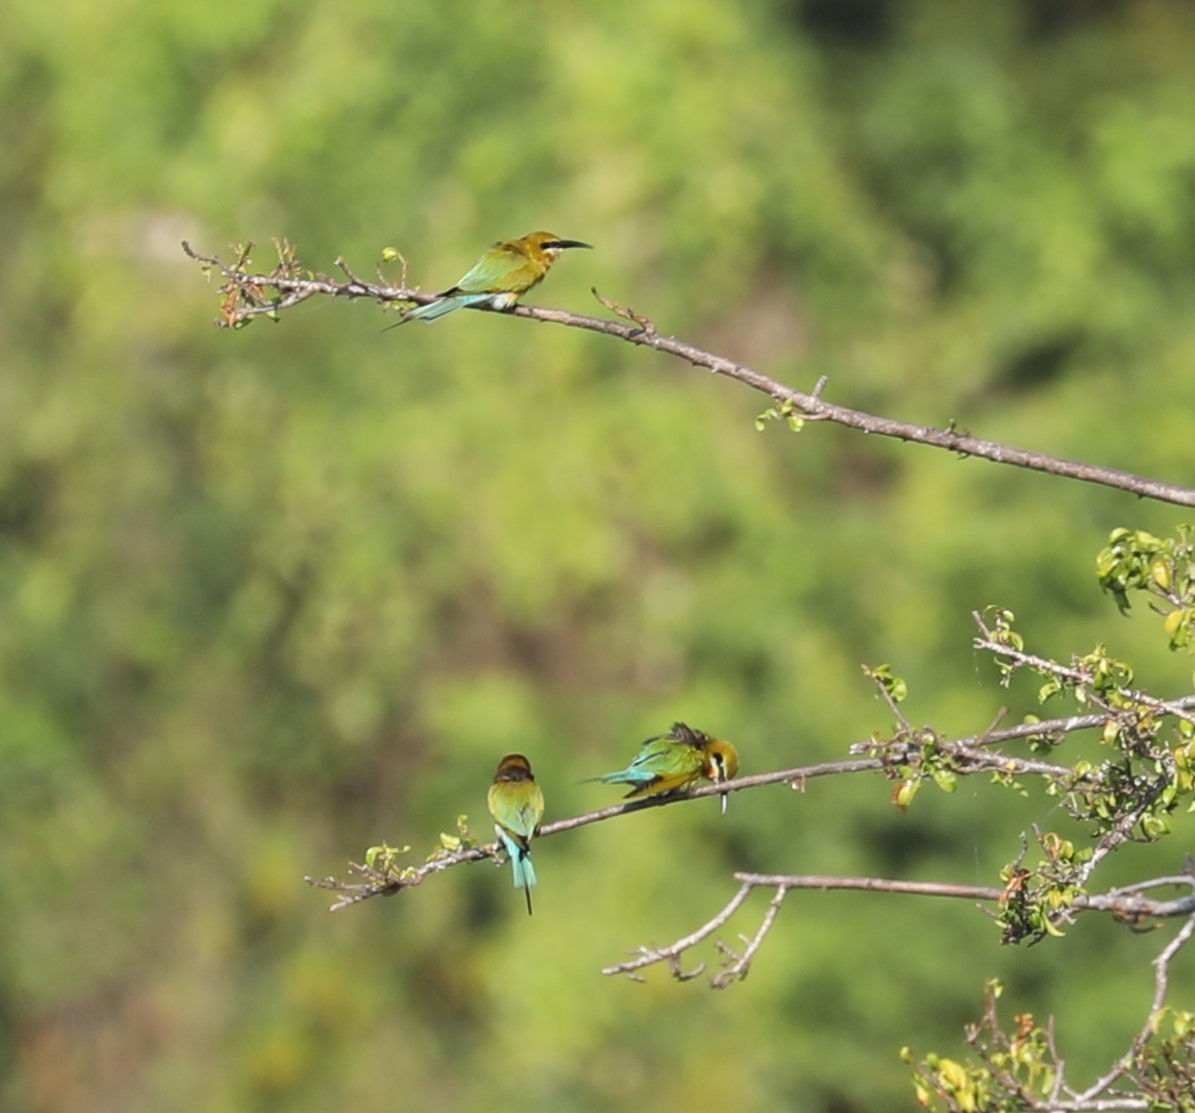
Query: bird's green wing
{"points": [[499, 269], [664, 756]]}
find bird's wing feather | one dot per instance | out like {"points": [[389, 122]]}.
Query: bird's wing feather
{"points": [[495, 270], [448, 303], [658, 760], [661, 785]]}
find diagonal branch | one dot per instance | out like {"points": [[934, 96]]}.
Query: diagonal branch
{"points": [[642, 332]]}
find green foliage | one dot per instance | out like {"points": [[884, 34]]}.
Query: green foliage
{"points": [[1020, 1070], [1163, 569], [1015, 1071], [1131, 794], [785, 412]]}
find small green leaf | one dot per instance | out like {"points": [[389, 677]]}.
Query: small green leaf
{"points": [[945, 780]]}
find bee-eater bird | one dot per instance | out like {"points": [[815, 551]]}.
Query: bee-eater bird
{"points": [[517, 805], [675, 762], [499, 278]]}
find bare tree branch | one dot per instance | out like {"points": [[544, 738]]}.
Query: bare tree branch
{"points": [[1126, 904]]}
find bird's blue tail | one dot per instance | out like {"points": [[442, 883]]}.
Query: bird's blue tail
{"points": [[624, 777], [520, 863], [434, 310], [524, 870]]}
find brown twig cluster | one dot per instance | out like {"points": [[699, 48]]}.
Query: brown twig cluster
{"points": [[1021, 1069]]}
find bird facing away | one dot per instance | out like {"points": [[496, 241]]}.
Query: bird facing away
{"points": [[499, 278], [517, 805], [675, 762]]}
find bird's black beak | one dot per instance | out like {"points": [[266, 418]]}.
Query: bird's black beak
{"points": [[562, 244]]}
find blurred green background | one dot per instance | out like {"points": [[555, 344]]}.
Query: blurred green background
{"points": [[270, 597]]}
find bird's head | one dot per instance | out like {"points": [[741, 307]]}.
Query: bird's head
{"points": [[722, 760], [550, 244], [513, 767]]}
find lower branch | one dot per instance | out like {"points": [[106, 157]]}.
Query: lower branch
{"points": [[1127, 905]]}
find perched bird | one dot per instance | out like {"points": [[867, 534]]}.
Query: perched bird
{"points": [[517, 805], [500, 277], [675, 762]]}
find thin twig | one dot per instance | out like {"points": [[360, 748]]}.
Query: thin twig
{"points": [[737, 966], [992, 644], [650, 956]]}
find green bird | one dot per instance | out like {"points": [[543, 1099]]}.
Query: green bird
{"points": [[499, 278], [675, 762], [517, 805]]}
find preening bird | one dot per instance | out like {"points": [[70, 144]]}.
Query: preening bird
{"points": [[675, 762], [499, 278], [517, 805]]}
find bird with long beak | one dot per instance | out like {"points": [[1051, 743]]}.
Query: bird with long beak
{"points": [[517, 805], [499, 278], [675, 762]]}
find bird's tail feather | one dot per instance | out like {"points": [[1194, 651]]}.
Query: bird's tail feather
{"points": [[434, 310], [520, 862], [524, 871], [622, 777]]}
